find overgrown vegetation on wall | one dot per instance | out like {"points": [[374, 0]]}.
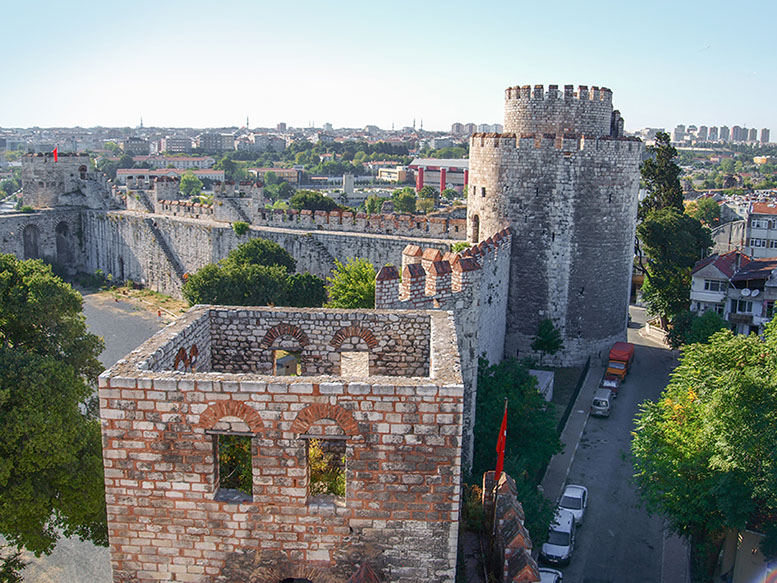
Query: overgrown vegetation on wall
{"points": [[531, 436]]}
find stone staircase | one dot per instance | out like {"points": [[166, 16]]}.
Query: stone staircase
{"points": [[172, 259], [143, 197], [238, 209]]}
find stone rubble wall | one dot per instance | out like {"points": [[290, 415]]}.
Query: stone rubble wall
{"points": [[403, 440], [66, 248], [243, 340]]}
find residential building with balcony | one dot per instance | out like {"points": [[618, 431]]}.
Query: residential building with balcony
{"points": [[742, 290]]}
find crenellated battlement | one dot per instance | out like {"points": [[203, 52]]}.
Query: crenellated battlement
{"points": [[538, 93], [533, 110], [183, 208], [433, 280], [389, 224], [568, 142], [48, 158]]}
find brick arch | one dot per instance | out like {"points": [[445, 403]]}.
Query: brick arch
{"points": [[216, 411], [344, 333], [309, 415], [282, 330], [284, 570]]}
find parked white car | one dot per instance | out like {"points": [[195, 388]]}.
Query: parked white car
{"points": [[575, 500], [561, 539], [550, 575]]}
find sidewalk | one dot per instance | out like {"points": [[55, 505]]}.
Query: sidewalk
{"points": [[558, 468]]}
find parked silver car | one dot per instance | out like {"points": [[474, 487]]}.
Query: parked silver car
{"points": [[561, 539], [575, 500], [602, 403], [550, 575]]}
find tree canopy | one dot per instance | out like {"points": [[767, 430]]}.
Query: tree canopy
{"points": [[548, 339], [706, 210], [531, 435], [672, 242], [352, 284], [404, 200], [705, 454], [256, 273], [661, 177], [190, 184], [689, 327], [51, 472], [312, 201]]}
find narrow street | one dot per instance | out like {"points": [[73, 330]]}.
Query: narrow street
{"points": [[619, 541]]}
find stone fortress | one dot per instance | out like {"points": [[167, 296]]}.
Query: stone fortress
{"points": [[551, 220]]}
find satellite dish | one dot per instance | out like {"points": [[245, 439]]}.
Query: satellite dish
{"points": [[755, 292], [746, 292]]}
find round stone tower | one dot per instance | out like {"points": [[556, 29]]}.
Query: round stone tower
{"points": [[566, 181]]}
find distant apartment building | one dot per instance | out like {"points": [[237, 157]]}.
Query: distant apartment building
{"points": [[741, 289], [725, 134], [485, 127], [753, 135], [136, 146], [182, 162], [175, 145], [702, 133], [439, 143], [470, 129], [678, 134], [291, 175], [764, 136], [215, 142], [712, 134], [457, 129], [281, 127], [397, 174]]}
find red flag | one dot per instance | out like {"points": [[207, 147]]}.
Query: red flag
{"points": [[500, 446], [55, 154]]}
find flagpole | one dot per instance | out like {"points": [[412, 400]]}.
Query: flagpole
{"points": [[501, 444]]}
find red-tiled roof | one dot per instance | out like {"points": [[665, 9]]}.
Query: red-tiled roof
{"points": [[764, 208], [727, 263], [756, 269]]}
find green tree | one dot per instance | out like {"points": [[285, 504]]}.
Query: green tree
{"points": [[404, 201], [270, 178], [255, 273], [428, 192], [229, 167], [688, 327], [548, 339], [285, 190], [352, 285], [661, 177], [450, 194], [424, 205], [312, 201], [51, 473], [672, 242], [706, 210], [532, 438], [126, 161], [190, 184], [705, 454]]}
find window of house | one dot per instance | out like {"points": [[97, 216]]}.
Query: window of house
{"points": [[715, 285], [235, 479], [741, 306], [757, 242], [769, 309], [759, 223], [772, 243]]}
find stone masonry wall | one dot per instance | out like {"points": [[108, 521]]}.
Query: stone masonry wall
{"points": [[571, 202], [242, 342], [124, 245], [55, 236], [402, 442]]}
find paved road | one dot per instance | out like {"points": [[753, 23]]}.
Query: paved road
{"points": [[619, 542]]}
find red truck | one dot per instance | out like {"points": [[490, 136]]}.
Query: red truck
{"points": [[621, 357]]}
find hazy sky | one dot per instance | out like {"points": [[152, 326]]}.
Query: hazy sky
{"points": [[211, 64]]}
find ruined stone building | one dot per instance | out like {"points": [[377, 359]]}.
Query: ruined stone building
{"points": [[551, 219], [383, 388]]}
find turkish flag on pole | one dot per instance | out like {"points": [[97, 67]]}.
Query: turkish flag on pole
{"points": [[55, 154], [500, 446]]}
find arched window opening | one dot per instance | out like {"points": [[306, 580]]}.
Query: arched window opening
{"points": [[475, 235]]}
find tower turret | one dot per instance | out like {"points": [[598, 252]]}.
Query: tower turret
{"points": [[566, 182]]}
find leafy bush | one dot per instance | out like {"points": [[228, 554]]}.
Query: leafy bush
{"points": [[240, 228], [459, 246], [235, 463]]}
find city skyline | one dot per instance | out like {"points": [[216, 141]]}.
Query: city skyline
{"points": [[187, 65]]}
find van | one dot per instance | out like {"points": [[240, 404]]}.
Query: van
{"points": [[602, 403], [561, 539]]}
